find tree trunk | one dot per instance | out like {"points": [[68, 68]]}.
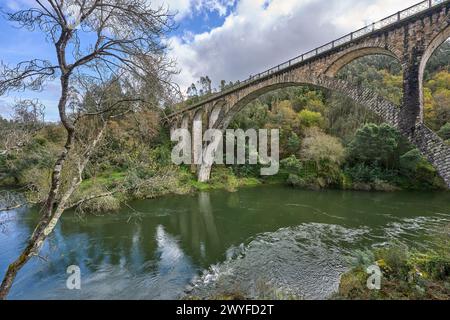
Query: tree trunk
{"points": [[44, 226], [51, 216]]}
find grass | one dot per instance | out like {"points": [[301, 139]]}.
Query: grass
{"points": [[180, 181], [107, 179], [223, 178]]}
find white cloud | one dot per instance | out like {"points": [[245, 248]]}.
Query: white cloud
{"points": [[181, 7], [185, 8], [259, 34]]}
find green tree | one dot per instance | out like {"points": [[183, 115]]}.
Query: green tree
{"points": [[192, 90], [223, 85], [255, 115], [381, 74], [437, 100], [376, 144]]}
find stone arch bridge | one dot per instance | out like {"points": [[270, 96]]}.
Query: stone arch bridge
{"points": [[409, 36]]}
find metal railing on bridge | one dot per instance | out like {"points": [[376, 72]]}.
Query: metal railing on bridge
{"points": [[395, 18]]}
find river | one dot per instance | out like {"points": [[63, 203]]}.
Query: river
{"points": [[260, 242]]}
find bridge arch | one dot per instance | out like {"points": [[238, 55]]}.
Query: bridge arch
{"points": [[428, 142], [435, 43], [354, 54], [382, 107], [379, 105], [439, 39], [184, 122], [232, 109]]}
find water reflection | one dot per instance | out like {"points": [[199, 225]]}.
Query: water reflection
{"points": [[204, 204], [179, 236]]}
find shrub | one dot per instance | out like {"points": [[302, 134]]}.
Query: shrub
{"points": [[161, 155], [293, 143], [100, 205], [407, 272], [444, 132], [310, 118], [291, 164], [421, 174], [320, 147], [320, 163], [410, 160], [361, 173]]}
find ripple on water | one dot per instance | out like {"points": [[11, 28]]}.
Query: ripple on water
{"points": [[305, 261]]}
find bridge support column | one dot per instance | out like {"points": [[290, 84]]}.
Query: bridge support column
{"points": [[411, 113], [204, 171], [211, 153], [185, 123], [197, 140]]}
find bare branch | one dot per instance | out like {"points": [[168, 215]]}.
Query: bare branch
{"points": [[10, 201], [30, 75]]}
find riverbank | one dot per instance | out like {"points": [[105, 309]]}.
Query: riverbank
{"points": [[120, 187], [407, 273], [172, 180], [183, 180]]}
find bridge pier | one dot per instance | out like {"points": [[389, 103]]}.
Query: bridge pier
{"points": [[197, 139], [204, 169], [411, 112]]}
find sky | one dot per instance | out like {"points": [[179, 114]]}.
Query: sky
{"points": [[224, 39]]}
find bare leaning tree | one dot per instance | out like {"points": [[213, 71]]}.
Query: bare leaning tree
{"points": [[110, 59]]}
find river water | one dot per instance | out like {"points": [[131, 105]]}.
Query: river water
{"points": [[269, 241]]}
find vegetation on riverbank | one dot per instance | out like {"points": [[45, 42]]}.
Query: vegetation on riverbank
{"points": [[407, 273], [132, 163]]}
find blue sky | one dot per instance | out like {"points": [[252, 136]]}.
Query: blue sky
{"points": [[18, 45], [224, 39]]}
